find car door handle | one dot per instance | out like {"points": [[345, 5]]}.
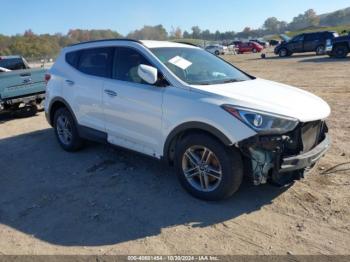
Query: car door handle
{"points": [[70, 82], [25, 74], [110, 93]]}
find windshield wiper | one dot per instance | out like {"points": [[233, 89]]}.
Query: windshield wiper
{"points": [[218, 82], [232, 81]]}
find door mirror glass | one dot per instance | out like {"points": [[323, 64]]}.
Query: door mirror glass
{"points": [[149, 74]]}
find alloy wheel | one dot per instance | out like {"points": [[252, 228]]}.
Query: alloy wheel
{"points": [[64, 130], [283, 53], [202, 168]]}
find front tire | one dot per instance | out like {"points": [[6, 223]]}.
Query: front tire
{"points": [[217, 53], [283, 52], [206, 168], [66, 130]]}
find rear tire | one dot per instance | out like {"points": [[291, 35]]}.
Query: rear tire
{"points": [[320, 50], [206, 168], [217, 53], [340, 51], [66, 130], [26, 111]]}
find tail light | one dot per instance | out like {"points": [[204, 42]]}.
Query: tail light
{"points": [[47, 78]]}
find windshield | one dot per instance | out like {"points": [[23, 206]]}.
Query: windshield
{"points": [[285, 37], [198, 67]]}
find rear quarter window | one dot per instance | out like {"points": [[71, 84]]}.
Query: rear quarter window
{"points": [[72, 58]]}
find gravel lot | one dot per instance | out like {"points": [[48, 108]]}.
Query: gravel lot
{"points": [[104, 200]]}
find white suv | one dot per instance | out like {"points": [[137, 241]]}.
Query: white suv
{"points": [[179, 103]]}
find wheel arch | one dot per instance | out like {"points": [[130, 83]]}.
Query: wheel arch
{"points": [[187, 128], [55, 104]]}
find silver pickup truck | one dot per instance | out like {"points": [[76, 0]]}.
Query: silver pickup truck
{"points": [[21, 87]]}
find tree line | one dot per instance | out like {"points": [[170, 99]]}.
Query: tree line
{"points": [[34, 46]]}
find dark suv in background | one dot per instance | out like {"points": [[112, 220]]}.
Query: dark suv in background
{"points": [[306, 42]]}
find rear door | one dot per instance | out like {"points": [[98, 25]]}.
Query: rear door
{"points": [[83, 87], [133, 108]]}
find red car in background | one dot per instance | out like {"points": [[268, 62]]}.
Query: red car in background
{"points": [[249, 47]]}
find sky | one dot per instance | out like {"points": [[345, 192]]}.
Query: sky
{"points": [[52, 16]]}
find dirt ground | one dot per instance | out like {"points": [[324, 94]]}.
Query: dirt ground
{"points": [[104, 200]]}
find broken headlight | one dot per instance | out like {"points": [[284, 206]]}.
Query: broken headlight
{"points": [[262, 122]]}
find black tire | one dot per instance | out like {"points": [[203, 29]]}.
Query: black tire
{"points": [[254, 50], [320, 50], [217, 53], [75, 142], [283, 52], [229, 159], [26, 111], [340, 51]]}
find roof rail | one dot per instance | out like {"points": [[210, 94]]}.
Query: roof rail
{"points": [[104, 40]]}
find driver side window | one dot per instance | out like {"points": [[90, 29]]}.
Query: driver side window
{"points": [[126, 63]]}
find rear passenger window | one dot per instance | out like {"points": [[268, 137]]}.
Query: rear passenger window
{"points": [[96, 61], [126, 62]]}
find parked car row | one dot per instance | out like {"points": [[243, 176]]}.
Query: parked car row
{"points": [[237, 47]]}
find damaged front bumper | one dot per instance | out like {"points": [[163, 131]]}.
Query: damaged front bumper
{"points": [[306, 159], [284, 157]]}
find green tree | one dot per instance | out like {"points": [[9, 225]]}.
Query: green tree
{"points": [[157, 32], [196, 32]]}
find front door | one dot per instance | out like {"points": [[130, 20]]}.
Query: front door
{"points": [[296, 45], [132, 108]]}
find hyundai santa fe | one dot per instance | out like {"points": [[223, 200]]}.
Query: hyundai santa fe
{"points": [[213, 122]]}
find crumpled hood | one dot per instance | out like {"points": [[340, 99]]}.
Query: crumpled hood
{"points": [[271, 97]]}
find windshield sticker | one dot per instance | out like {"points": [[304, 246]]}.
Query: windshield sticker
{"points": [[180, 62]]}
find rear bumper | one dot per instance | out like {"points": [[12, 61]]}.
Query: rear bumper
{"points": [[306, 159], [24, 99]]}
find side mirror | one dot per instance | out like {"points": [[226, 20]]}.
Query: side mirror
{"points": [[149, 74]]}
